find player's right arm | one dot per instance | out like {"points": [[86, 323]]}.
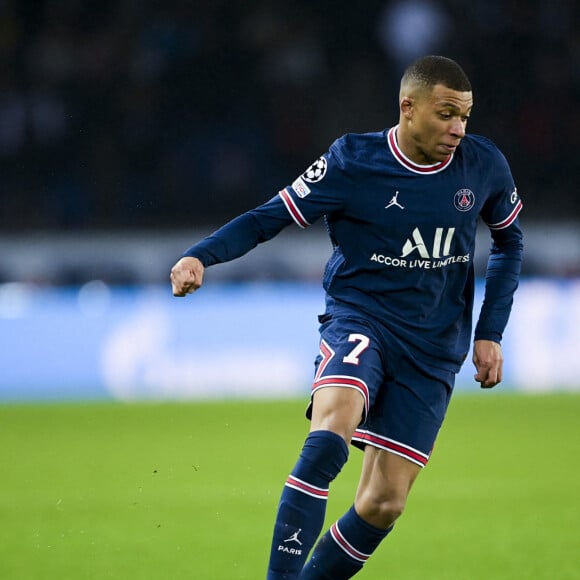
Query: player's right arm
{"points": [[301, 203], [231, 241], [242, 234]]}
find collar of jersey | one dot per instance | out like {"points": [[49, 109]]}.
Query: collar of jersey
{"points": [[407, 163]]}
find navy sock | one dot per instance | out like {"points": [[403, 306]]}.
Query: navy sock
{"points": [[302, 506], [343, 550]]}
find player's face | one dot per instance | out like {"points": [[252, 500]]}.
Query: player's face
{"points": [[435, 123]]}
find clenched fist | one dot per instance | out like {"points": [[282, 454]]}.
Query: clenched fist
{"points": [[186, 276]]}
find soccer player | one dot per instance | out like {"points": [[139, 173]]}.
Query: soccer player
{"points": [[402, 207]]}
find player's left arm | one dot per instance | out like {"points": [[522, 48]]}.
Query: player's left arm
{"points": [[500, 213], [501, 282]]}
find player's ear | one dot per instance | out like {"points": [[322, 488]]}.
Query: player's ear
{"points": [[407, 107]]}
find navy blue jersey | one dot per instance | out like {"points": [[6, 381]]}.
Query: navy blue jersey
{"points": [[403, 237]]}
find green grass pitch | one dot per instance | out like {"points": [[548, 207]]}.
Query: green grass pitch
{"points": [[189, 491]]}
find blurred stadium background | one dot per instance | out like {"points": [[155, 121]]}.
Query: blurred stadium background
{"points": [[129, 129]]}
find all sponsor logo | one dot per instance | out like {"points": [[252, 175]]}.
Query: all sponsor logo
{"points": [[419, 252], [441, 244]]}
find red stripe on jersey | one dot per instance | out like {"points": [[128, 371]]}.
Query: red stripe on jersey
{"points": [[347, 546], [344, 381], [509, 220], [411, 165], [327, 353], [293, 209], [306, 488], [405, 451]]}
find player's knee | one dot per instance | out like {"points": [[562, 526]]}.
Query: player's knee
{"points": [[388, 510], [380, 510]]}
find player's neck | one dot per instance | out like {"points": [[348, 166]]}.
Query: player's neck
{"points": [[410, 149]]}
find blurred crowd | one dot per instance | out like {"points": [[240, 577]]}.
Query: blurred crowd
{"points": [[174, 113]]}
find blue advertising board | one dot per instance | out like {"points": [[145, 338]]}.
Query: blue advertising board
{"points": [[246, 340]]}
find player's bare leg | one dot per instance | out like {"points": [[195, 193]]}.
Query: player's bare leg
{"points": [[337, 409], [385, 483]]}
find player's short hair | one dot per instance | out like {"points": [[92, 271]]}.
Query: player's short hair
{"points": [[429, 71]]}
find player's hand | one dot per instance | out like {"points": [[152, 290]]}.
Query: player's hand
{"points": [[186, 276], [488, 361]]}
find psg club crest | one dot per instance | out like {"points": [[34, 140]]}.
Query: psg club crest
{"points": [[464, 200], [316, 171]]}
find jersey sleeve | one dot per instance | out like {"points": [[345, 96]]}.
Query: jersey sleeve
{"points": [[319, 191], [500, 213], [504, 205], [501, 282], [322, 188], [242, 234]]}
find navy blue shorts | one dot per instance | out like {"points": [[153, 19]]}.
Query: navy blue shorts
{"points": [[405, 399]]}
